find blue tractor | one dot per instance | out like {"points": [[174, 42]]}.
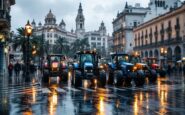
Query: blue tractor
{"points": [[122, 72], [87, 67]]}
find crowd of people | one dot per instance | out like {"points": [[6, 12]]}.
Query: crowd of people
{"points": [[176, 69], [17, 68]]}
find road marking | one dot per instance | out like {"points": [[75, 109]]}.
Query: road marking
{"points": [[87, 89], [73, 89], [59, 90], [45, 91]]}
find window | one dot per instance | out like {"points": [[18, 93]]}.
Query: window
{"points": [[99, 44], [81, 26], [93, 44], [99, 39], [135, 24], [93, 38], [177, 21], [48, 35], [103, 39]]}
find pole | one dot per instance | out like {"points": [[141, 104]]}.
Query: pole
{"points": [[28, 60]]}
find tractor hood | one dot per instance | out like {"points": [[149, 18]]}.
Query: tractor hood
{"points": [[126, 64], [88, 65]]}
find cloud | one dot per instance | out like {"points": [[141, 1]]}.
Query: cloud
{"points": [[94, 11]]}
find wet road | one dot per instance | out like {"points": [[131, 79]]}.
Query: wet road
{"points": [[165, 97]]}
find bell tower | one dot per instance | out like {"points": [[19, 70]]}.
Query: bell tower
{"points": [[80, 22]]}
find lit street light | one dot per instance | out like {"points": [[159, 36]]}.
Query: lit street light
{"points": [[163, 52], [28, 33]]}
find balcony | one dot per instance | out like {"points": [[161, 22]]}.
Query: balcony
{"points": [[160, 44], [177, 27], [162, 32], [5, 19], [169, 29]]}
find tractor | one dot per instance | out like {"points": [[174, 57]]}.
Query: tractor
{"points": [[122, 72], [55, 66], [87, 67]]}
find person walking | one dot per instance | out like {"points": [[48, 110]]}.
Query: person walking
{"points": [[17, 68], [10, 69], [184, 69], [169, 70]]}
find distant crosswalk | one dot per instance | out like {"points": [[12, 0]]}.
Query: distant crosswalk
{"points": [[30, 88]]}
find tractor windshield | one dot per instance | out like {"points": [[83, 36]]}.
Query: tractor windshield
{"points": [[87, 58], [135, 59], [55, 58], [121, 58]]}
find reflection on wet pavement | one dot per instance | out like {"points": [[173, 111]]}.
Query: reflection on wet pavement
{"points": [[54, 98]]}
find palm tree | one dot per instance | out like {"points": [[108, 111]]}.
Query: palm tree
{"points": [[20, 41], [79, 44], [61, 46]]}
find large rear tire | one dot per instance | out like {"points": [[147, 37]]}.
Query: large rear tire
{"points": [[64, 76], [102, 79], [153, 76], [139, 79], [77, 79], [45, 78]]}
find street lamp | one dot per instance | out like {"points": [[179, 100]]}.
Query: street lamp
{"points": [[163, 52], [28, 33], [2, 38]]}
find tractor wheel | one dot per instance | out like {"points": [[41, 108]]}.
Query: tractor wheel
{"points": [[64, 76], [118, 78], [102, 79], [77, 79], [153, 76], [139, 79]]}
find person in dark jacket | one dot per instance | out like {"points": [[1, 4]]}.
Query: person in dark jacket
{"points": [[169, 70], [184, 69], [10, 69], [17, 68]]}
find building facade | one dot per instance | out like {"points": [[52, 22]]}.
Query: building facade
{"points": [[123, 26], [159, 7], [163, 37], [98, 39], [51, 31], [5, 24]]}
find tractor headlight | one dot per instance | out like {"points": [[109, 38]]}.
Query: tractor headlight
{"points": [[101, 67], [135, 68]]}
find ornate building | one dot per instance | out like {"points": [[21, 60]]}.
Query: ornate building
{"points": [[123, 26], [50, 30], [5, 24], [159, 7], [98, 39], [163, 37]]}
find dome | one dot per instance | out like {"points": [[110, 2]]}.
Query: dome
{"points": [[50, 15]]}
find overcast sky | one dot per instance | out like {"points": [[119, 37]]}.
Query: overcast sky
{"points": [[94, 11]]}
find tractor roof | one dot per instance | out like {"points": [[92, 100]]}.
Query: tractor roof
{"points": [[87, 52]]}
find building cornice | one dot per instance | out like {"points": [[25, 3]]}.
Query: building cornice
{"points": [[161, 18]]}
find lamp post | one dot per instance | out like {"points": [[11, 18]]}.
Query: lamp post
{"points": [[163, 52], [28, 33]]}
